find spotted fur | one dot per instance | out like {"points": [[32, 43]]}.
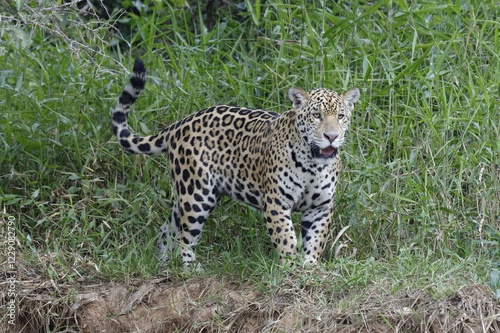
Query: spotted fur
{"points": [[277, 163]]}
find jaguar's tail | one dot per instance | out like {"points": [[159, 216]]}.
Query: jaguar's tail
{"points": [[133, 143]]}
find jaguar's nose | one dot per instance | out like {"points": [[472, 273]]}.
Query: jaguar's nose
{"points": [[331, 137]]}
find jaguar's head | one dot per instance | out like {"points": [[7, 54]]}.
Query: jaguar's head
{"points": [[323, 117]]}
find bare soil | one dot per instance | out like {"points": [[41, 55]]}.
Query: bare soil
{"points": [[217, 305]]}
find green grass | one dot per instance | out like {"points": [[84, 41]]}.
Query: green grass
{"points": [[420, 188]]}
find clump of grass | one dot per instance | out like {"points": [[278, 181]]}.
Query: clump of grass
{"points": [[421, 170]]}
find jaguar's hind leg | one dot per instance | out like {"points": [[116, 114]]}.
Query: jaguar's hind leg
{"points": [[167, 242], [194, 209], [187, 221]]}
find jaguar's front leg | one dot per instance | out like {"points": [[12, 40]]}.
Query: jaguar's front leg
{"points": [[280, 227], [315, 224]]}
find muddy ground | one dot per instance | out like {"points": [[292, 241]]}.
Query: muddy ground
{"points": [[220, 305]]}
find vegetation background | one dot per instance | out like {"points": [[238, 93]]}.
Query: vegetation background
{"points": [[418, 202]]}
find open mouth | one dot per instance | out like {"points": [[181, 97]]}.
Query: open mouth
{"points": [[328, 152]]}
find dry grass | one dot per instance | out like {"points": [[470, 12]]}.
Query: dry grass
{"points": [[216, 304]]}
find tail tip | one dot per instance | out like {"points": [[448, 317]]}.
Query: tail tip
{"points": [[139, 66]]}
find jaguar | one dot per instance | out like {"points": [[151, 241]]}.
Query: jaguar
{"points": [[278, 163]]}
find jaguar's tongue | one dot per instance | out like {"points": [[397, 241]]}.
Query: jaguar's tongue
{"points": [[328, 151]]}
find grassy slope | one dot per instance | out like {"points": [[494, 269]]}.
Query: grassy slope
{"points": [[420, 191]]}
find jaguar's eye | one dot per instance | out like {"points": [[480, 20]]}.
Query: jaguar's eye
{"points": [[317, 115], [340, 116]]}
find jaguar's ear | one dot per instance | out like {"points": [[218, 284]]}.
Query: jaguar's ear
{"points": [[299, 97], [350, 97]]}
